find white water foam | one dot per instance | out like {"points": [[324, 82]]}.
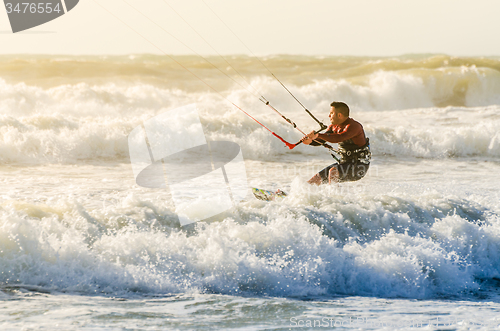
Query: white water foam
{"points": [[81, 122]]}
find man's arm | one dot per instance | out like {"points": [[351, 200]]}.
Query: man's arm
{"points": [[312, 138], [317, 142], [351, 130], [309, 139]]}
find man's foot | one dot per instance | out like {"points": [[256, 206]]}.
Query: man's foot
{"points": [[280, 193]]}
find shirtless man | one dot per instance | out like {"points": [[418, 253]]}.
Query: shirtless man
{"points": [[354, 147]]}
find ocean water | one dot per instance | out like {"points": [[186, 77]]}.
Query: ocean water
{"points": [[415, 244]]}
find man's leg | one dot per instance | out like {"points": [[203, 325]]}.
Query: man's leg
{"points": [[323, 176], [350, 172], [316, 179], [333, 175]]}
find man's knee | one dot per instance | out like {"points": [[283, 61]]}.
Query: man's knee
{"points": [[333, 175]]}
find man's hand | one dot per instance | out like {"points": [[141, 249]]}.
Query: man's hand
{"points": [[307, 139]]}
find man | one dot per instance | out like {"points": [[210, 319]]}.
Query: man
{"points": [[354, 147]]}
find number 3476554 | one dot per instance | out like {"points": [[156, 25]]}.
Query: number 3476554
{"points": [[26, 7]]}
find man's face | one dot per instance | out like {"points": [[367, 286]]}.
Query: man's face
{"points": [[334, 116]]}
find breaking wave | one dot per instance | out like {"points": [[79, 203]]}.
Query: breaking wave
{"points": [[413, 105], [314, 243]]}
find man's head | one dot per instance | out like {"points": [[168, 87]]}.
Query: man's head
{"points": [[339, 112]]}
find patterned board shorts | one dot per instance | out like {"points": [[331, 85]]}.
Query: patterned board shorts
{"points": [[348, 172]]}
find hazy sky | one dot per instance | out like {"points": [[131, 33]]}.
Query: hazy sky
{"points": [[312, 27]]}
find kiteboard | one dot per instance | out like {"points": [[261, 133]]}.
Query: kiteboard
{"points": [[268, 195]]}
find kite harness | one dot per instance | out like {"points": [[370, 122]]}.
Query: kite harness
{"points": [[352, 153]]}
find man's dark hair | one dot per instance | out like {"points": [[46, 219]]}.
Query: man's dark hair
{"points": [[341, 107]]}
